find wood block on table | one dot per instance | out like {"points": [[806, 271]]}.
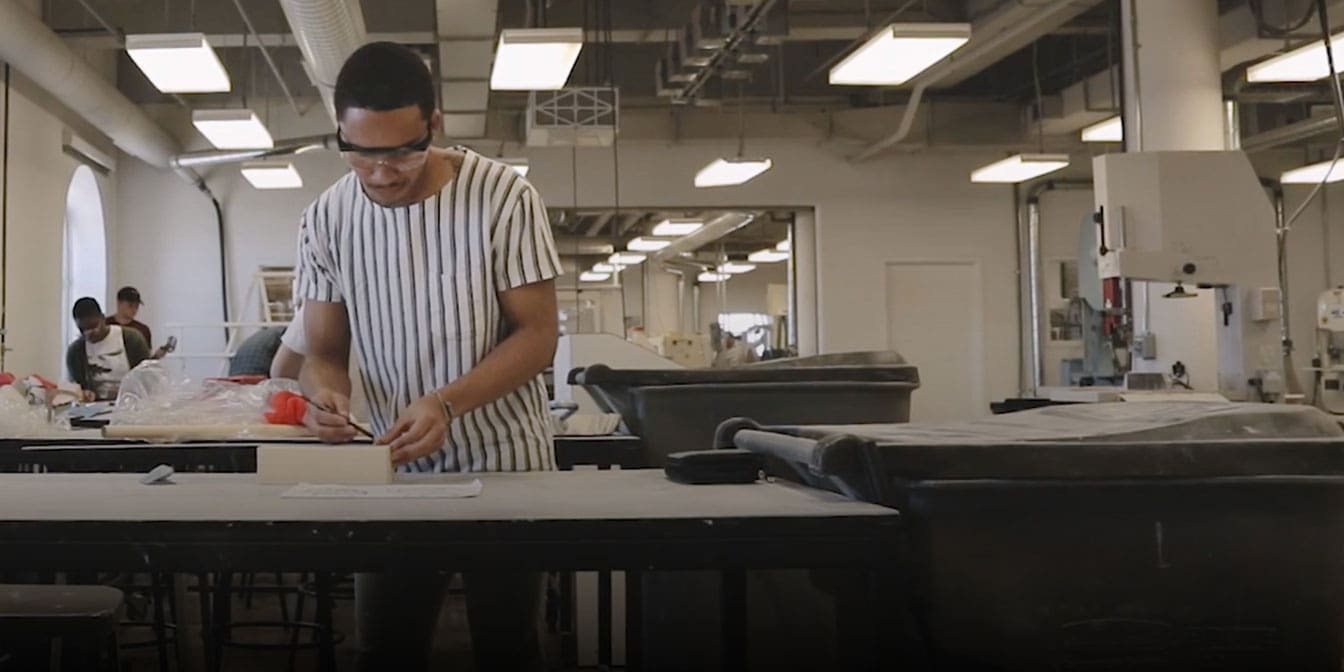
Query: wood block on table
{"points": [[349, 464], [205, 432]]}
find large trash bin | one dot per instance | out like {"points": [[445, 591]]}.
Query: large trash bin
{"points": [[677, 410], [1105, 536]]}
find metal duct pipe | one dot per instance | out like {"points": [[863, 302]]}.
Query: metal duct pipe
{"points": [[282, 148], [1017, 25], [1289, 134], [327, 32], [33, 49], [712, 230]]}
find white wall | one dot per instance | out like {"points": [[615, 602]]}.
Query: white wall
{"points": [[35, 190]]}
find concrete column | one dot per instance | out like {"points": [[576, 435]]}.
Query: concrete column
{"points": [[1173, 83], [803, 319]]}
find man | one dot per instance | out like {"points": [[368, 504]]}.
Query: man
{"points": [[103, 354], [288, 361], [256, 354], [438, 266], [128, 307]]}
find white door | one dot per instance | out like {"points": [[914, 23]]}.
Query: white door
{"points": [[934, 319]]}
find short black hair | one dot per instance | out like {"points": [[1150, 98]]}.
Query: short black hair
{"points": [[384, 76], [87, 307]]}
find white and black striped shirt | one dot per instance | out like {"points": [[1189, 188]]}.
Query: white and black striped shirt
{"points": [[421, 284]]}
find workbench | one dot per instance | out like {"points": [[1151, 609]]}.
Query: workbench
{"points": [[632, 520], [87, 451]]}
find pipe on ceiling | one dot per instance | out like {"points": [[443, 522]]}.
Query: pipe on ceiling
{"points": [[33, 49], [993, 38], [1288, 134], [327, 32], [282, 148]]}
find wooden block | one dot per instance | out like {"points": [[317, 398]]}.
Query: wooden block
{"points": [[350, 464], [204, 432]]}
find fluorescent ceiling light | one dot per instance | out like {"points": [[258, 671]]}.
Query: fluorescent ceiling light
{"points": [[712, 277], [1307, 63], [678, 227], [1110, 130], [519, 165], [535, 59], [604, 268], [647, 245], [178, 62], [272, 175], [232, 129], [734, 267], [626, 259], [1019, 168], [784, 246], [729, 172], [589, 276], [899, 52], [1314, 173], [767, 256]]}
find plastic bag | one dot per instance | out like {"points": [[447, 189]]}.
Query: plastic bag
{"points": [[18, 418], [151, 394]]}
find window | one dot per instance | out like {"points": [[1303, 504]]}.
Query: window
{"points": [[752, 328], [84, 264]]}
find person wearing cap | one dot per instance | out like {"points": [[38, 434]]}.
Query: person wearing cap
{"points": [[128, 306]]}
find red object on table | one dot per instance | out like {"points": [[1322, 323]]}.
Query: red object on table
{"points": [[7, 378], [287, 408]]}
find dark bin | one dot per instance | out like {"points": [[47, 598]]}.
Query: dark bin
{"points": [[677, 410], [1038, 546]]}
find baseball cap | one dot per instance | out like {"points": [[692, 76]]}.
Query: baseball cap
{"points": [[129, 295]]}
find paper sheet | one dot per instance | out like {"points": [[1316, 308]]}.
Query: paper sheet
{"points": [[425, 491]]}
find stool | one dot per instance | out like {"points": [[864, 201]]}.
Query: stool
{"points": [[83, 618]]}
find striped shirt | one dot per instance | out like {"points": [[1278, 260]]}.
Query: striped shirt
{"points": [[420, 284]]}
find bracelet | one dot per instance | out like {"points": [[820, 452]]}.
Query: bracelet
{"points": [[447, 408]]}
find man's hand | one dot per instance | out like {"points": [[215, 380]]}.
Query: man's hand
{"points": [[419, 431], [330, 427]]}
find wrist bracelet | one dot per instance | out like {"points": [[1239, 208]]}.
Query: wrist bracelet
{"points": [[446, 407]]}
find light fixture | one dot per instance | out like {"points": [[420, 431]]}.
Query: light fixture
{"points": [[590, 276], [604, 268], [272, 175], [735, 267], [232, 129], [625, 259], [178, 62], [677, 227], [1109, 130], [784, 246], [767, 256], [1307, 63], [647, 245], [898, 52], [1325, 171], [519, 165], [1019, 168], [535, 59], [712, 277], [729, 172]]}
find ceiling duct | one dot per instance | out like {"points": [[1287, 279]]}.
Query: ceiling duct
{"points": [[466, 34], [718, 40], [34, 50], [713, 230], [327, 32]]}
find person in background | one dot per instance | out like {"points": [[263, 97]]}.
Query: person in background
{"points": [[103, 353], [128, 306], [438, 266], [288, 361], [734, 353], [256, 353]]}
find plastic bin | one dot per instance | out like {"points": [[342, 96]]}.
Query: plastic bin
{"points": [[676, 410], [1039, 547]]}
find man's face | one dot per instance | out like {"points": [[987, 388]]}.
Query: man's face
{"points": [[390, 169], [94, 327], [128, 309]]}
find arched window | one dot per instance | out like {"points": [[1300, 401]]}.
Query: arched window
{"points": [[85, 248]]}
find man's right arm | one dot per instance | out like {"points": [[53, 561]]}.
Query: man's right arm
{"points": [[325, 375]]}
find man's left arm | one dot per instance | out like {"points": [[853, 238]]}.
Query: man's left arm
{"points": [[136, 349], [525, 265]]}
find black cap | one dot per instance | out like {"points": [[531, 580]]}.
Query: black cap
{"points": [[129, 295]]}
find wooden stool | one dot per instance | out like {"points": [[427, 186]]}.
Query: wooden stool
{"points": [[83, 618]]}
